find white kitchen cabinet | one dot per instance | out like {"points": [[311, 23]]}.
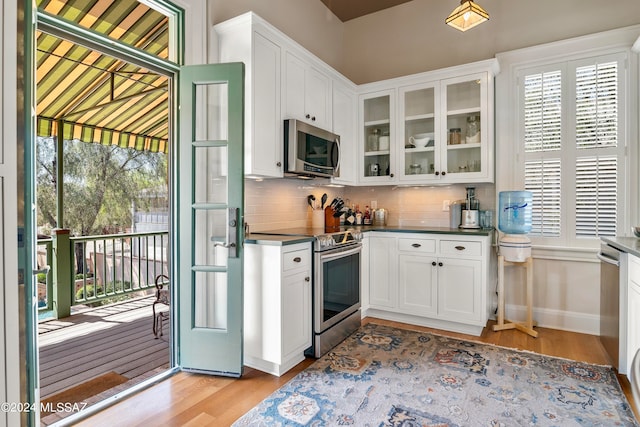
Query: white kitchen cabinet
{"points": [[277, 306], [417, 276], [249, 39], [377, 152], [430, 136], [632, 318], [439, 281], [307, 94], [345, 116], [383, 272], [460, 289]]}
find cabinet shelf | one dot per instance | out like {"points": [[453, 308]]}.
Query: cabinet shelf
{"points": [[463, 111], [419, 149], [464, 146], [419, 117], [377, 122], [377, 153]]}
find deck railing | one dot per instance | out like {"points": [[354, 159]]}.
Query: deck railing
{"points": [[91, 269]]}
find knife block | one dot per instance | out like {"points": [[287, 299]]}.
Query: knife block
{"points": [[331, 223]]}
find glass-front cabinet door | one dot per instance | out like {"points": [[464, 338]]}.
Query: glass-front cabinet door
{"points": [[465, 126], [419, 132], [377, 134]]}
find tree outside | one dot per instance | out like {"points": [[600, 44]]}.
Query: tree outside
{"points": [[101, 184]]}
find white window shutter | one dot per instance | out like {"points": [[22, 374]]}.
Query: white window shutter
{"points": [[596, 196], [543, 179]]}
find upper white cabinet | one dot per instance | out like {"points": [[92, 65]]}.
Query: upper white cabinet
{"points": [[439, 131], [285, 81], [345, 116], [247, 39], [307, 93], [377, 132]]}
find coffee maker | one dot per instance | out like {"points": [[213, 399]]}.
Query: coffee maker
{"points": [[471, 211]]}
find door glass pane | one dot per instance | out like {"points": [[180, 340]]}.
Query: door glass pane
{"points": [[210, 235], [210, 172], [210, 300], [212, 110]]}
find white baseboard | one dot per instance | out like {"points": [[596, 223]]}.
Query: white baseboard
{"points": [[556, 319]]}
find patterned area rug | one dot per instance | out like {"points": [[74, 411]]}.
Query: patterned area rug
{"points": [[383, 376]]}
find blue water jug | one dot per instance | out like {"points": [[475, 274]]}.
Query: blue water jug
{"points": [[515, 212]]}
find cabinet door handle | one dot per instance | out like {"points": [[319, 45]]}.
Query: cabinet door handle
{"points": [[313, 119], [416, 245], [437, 173], [307, 279], [439, 264], [460, 248], [433, 263], [443, 173], [278, 164], [297, 259], [308, 116], [390, 175]]}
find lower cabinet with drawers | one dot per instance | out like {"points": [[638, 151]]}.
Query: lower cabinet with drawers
{"points": [[277, 305], [436, 280]]}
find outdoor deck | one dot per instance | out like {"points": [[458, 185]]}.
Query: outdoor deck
{"points": [[114, 340]]}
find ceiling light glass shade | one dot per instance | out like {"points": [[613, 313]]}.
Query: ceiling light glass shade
{"points": [[467, 16]]}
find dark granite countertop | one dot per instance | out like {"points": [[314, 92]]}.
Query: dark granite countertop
{"points": [[293, 236], [630, 245]]}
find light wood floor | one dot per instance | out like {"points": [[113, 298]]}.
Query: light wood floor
{"points": [[197, 400]]}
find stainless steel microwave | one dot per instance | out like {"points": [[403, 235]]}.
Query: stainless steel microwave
{"points": [[310, 151]]}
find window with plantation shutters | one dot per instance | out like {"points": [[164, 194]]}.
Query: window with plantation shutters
{"points": [[570, 127]]}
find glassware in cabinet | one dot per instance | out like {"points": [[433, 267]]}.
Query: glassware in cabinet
{"points": [[418, 112], [377, 135], [464, 118]]}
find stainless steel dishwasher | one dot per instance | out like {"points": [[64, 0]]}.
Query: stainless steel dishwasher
{"points": [[610, 301]]}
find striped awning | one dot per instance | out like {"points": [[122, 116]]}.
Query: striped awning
{"points": [[97, 98]]}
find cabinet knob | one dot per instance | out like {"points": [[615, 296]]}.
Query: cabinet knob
{"points": [[307, 279], [416, 245], [390, 175], [439, 264], [297, 259], [278, 164], [433, 263], [313, 119], [437, 173], [460, 248], [443, 173], [307, 116]]}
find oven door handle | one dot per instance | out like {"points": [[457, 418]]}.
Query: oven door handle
{"points": [[608, 259], [331, 255]]}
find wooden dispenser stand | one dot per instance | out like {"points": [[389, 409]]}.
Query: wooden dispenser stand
{"points": [[527, 326]]}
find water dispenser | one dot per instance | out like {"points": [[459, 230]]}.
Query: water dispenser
{"points": [[514, 219]]}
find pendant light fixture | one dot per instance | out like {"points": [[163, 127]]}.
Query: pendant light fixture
{"points": [[466, 16]]}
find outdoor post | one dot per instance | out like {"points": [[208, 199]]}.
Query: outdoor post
{"points": [[62, 273]]}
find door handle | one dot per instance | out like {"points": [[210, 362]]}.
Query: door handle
{"points": [[232, 234]]}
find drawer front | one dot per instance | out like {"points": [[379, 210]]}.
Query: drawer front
{"points": [[458, 247], [424, 246], [296, 259]]}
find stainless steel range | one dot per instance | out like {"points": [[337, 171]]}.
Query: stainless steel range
{"points": [[336, 285]]}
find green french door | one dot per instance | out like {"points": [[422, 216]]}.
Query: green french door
{"points": [[210, 218]]}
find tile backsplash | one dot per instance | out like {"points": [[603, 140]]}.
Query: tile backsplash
{"points": [[282, 203]]}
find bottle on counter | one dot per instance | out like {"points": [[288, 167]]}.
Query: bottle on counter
{"points": [[366, 217], [358, 215]]}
